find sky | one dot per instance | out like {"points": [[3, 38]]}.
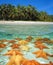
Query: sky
{"points": [[41, 5]]}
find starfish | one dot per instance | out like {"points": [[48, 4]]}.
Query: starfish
{"points": [[15, 46], [46, 40], [39, 39], [38, 42], [18, 39], [42, 54], [15, 59], [3, 40], [22, 42], [11, 52], [30, 62], [2, 45], [29, 38], [41, 46], [11, 41], [25, 48]]}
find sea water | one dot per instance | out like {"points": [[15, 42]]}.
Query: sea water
{"points": [[9, 32]]}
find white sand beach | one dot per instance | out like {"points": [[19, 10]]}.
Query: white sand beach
{"points": [[24, 22]]}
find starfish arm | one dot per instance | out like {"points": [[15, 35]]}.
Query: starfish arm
{"points": [[35, 62], [41, 46], [38, 55], [50, 55], [18, 59], [36, 52], [12, 52], [41, 53], [11, 61], [9, 52], [44, 55], [25, 48], [46, 47], [18, 53], [17, 63]]}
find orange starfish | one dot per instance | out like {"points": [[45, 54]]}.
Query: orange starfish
{"points": [[42, 54], [11, 52], [11, 41], [41, 46], [15, 46], [38, 42], [39, 39], [29, 38], [18, 39], [16, 57], [3, 40], [30, 62], [2, 45], [46, 39], [25, 48], [22, 42]]}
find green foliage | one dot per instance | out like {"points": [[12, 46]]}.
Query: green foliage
{"points": [[10, 12]]}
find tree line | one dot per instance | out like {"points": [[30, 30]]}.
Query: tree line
{"points": [[25, 13]]}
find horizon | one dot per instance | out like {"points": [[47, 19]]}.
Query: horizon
{"points": [[40, 5]]}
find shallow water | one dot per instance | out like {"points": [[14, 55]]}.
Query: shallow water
{"points": [[22, 31]]}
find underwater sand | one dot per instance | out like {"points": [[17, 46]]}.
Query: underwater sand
{"points": [[10, 32]]}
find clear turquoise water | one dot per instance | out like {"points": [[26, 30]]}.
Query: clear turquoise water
{"points": [[12, 31], [22, 31]]}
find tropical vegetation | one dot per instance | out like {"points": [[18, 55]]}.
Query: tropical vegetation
{"points": [[25, 13]]}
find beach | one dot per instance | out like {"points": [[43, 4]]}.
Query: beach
{"points": [[25, 22]]}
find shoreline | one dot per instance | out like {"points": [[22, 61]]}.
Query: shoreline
{"points": [[24, 22]]}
